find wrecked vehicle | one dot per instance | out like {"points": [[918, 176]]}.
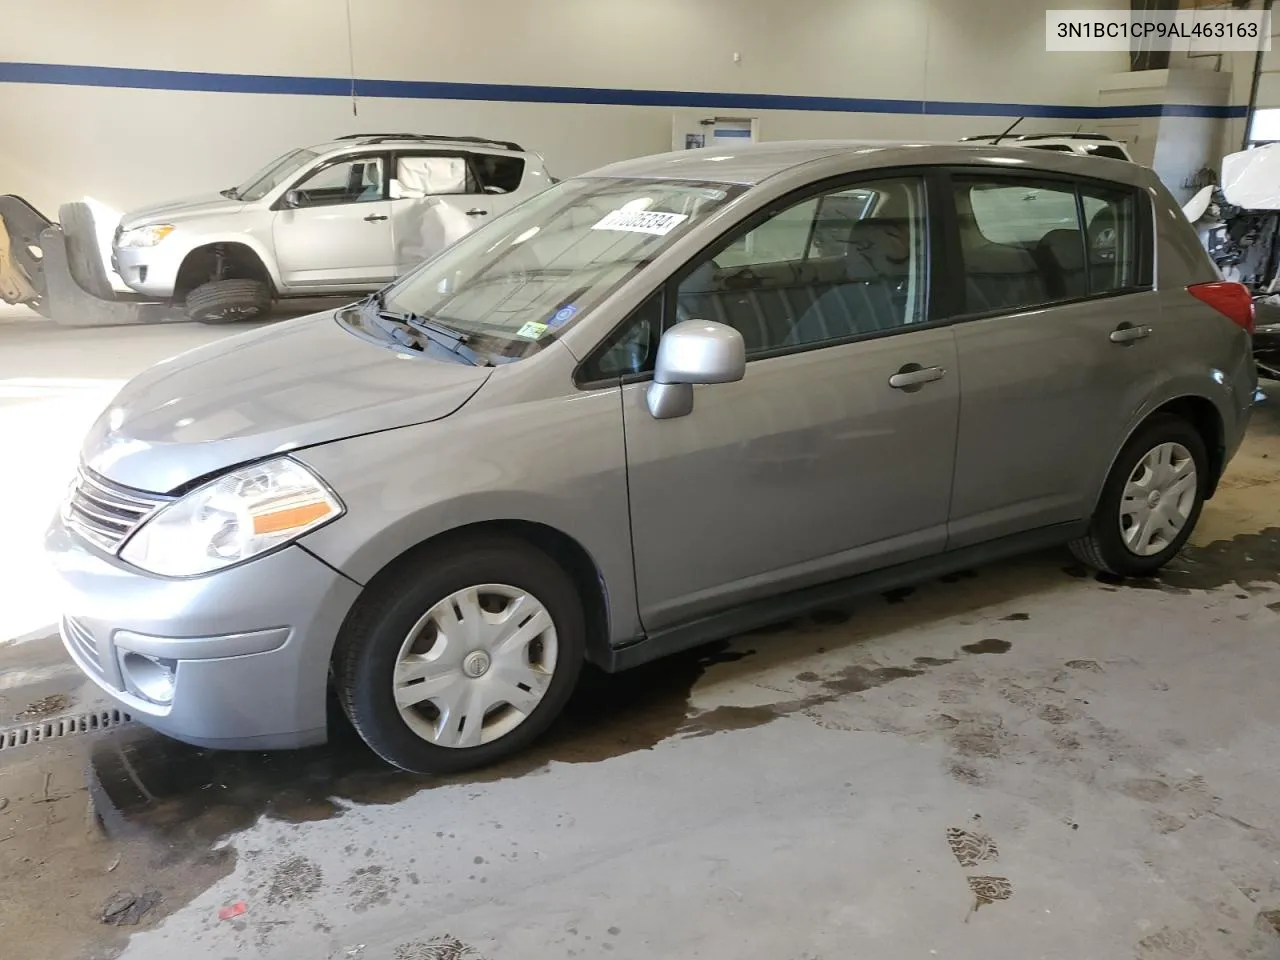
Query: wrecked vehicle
{"points": [[335, 219], [1238, 220]]}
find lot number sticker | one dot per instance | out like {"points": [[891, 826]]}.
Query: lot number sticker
{"points": [[641, 221]]}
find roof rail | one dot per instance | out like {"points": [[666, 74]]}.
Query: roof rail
{"points": [[1063, 136], [431, 138]]}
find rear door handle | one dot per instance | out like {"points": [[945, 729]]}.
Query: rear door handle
{"points": [[374, 217], [477, 212], [1127, 333], [913, 376]]}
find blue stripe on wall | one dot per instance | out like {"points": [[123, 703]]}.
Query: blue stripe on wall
{"points": [[88, 76]]}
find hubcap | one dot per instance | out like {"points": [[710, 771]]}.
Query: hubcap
{"points": [[475, 666], [1158, 499]]}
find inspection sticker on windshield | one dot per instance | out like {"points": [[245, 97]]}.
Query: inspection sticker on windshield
{"points": [[532, 330], [642, 221]]}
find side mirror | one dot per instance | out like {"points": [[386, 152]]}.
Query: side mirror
{"points": [[292, 199], [694, 351]]}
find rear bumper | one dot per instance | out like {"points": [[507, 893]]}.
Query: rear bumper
{"points": [[248, 648]]}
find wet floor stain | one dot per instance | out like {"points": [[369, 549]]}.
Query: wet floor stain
{"points": [[185, 800], [988, 646], [1246, 559]]}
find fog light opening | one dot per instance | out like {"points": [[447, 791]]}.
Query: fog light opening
{"points": [[151, 677]]}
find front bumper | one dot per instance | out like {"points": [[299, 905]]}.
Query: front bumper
{"points": [[150, 271], [250, 645]]}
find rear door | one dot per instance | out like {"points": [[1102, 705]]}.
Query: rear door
{"points": [[436, 199], [1055, 324], [339, 232], [500, 175]]}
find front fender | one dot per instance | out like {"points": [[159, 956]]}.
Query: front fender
{"points": [[257, 241], [558, 462]]}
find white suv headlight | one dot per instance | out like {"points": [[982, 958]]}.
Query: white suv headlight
{"points": [[147, 236], [240, 515]]}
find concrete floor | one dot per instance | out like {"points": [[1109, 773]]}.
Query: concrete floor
{"points": [[1089, 764]]}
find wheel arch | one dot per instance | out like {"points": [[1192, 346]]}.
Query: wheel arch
{"points": [[1199, 411], [560, 547], [249, 262]]}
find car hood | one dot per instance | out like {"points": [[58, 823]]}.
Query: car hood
{"points": [[290, 385], [201, 206]]}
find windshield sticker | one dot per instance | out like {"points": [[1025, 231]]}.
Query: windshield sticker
{"points": [[532, 330], [563, 316], [641, 221]]}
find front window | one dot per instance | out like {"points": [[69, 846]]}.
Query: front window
{"points": [[273, 174], [512, 286]]}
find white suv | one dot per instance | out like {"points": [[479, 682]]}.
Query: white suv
{"points": [[1085, 144], [344, 217]]}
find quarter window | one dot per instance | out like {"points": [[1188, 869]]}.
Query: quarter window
{"points": [[843, 264], [1027, 243]]}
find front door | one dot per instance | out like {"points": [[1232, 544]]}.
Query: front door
{"points": [[338, 233], [834, 454], [1054, 336]]}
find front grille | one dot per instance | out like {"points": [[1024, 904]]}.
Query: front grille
{"points": [[105, 513], [82, 642]]}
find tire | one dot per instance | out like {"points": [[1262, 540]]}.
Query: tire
{"points": [[378, 631], [84, 253], [1104, 546], [229, 301]]}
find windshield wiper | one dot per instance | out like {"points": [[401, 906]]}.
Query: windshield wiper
{"points": [[455, 341], [230, 193]]}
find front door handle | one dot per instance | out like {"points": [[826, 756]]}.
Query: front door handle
{"points": [[913, 376], [477, 212], [1127, 333], [374, 218]]}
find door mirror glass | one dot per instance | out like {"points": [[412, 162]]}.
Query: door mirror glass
{"points": [[693, 351], [292, 199]]}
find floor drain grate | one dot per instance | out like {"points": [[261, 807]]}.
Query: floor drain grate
{"points": [[62, 727]]}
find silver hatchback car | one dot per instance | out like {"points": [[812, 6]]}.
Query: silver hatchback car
{"points": [[657, 404]]}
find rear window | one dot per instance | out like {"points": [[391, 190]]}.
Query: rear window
{"points": [[1028, 242], [1105, 150], [499, 174]]}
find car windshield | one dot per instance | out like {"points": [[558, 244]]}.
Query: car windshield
{"points": [[511, 286], [273, 174]]}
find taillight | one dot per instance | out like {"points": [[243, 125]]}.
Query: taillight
{"points": [[1232, 300]]}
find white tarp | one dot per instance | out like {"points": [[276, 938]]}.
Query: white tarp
{"points": [[1251, 178]]}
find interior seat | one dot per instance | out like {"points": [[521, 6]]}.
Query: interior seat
{"points": [[999, 276], [876, 261]]}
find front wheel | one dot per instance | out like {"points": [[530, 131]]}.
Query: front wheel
{"points": [[1151, 500], [228, 301], [459, 658]]}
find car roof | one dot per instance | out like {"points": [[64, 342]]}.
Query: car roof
{"points": [[752, 164], [361, 141]]}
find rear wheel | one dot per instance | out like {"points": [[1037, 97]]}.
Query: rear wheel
{"points": [[1151, 501], [229, 301], [461, 658]]}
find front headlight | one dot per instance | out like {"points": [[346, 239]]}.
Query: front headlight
{"points": [[240, 515], [147, 236]]}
